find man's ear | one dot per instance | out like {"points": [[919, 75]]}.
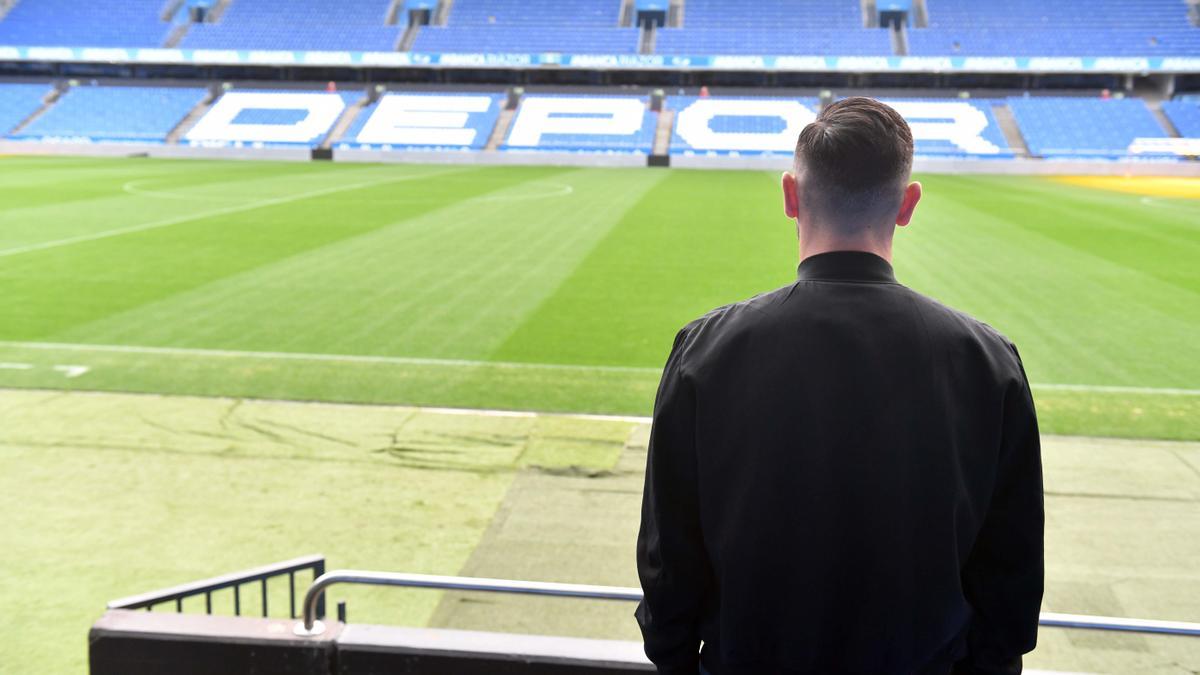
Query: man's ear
{"points": [[791, 198], [912, 195]]}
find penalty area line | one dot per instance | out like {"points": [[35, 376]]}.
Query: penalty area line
{"points": [[468, 363]]}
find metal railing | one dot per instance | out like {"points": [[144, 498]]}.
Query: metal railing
{"points": [[310, 626], [234, 581]]}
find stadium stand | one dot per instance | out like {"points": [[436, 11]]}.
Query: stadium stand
{"points": [[1055, 127], [598, 124], [269, 118], [953, 127], [114, 114], [1185, 115], [738, 125], [1058, 28], [524, 26], [833, 27], [317, 25], [18, 102], [120, 23], [761, 125], [422, 121]]}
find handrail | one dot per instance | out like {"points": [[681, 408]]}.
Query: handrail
{"points": [[235, 580], [310, 627]]}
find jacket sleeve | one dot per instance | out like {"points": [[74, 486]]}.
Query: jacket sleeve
{"points": [[671, 559], [1003, 576]]}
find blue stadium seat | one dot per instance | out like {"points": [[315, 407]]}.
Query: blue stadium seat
{"points": [[317, 25], [115, 114], [270, 118], [1056, 28], [19, 101], [530, 26], [603, 124], [769, 126], [765, 27], [954, 127], [116, 23], [1185, 115], [452, 121], [1056, 127], [744, 125]]}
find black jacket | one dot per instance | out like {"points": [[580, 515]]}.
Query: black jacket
{"points": [[844, 477]]}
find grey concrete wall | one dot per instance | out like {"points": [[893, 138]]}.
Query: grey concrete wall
{"points": [[125, 642], [490, 157], [1020, 166], [971, 166]]}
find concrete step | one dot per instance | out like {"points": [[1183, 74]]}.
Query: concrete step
{"points": [[1163, 120], [870, 17], [176, 35], [647, 40], [899, 40], [501, 130], [920, 17], [442, 14], [408, 37], [214, 14], [662, 133], [627, 14], [675, 14], [48, 102], [1012, 132], [192, 117], [339, 128]]}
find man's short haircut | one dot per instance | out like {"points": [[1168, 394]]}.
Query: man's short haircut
{"points": [[854, 161]]}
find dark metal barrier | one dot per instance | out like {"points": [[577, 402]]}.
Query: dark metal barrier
{"points": [[310, 626], [234, 581]]}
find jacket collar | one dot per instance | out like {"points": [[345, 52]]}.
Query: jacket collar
{"points": [[846, 266]]}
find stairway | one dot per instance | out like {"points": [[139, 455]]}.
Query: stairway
{"points": [[343, 124], [47, 102], [186, 124], [176, 35], [214, 13], [870, 17], [408, 37], [1012, 132], [675, 14], [662, 133], [899, 34], [442, 14], [647, 39], [1164, 121], [501, 131], [920, 17]]}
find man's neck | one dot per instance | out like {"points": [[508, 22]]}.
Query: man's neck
{"points": [[816, 245]]}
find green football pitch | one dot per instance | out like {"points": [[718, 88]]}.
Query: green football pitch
{"points": [[549, 289], [212, 284]]}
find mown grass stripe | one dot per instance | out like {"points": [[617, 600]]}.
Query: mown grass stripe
{"points": [[224, 211], [470, 363]]}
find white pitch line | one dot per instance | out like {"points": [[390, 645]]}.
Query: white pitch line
{"points": [[330, 358], [1112, 389], [153, 225], [467, 363], [529, 414]]}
